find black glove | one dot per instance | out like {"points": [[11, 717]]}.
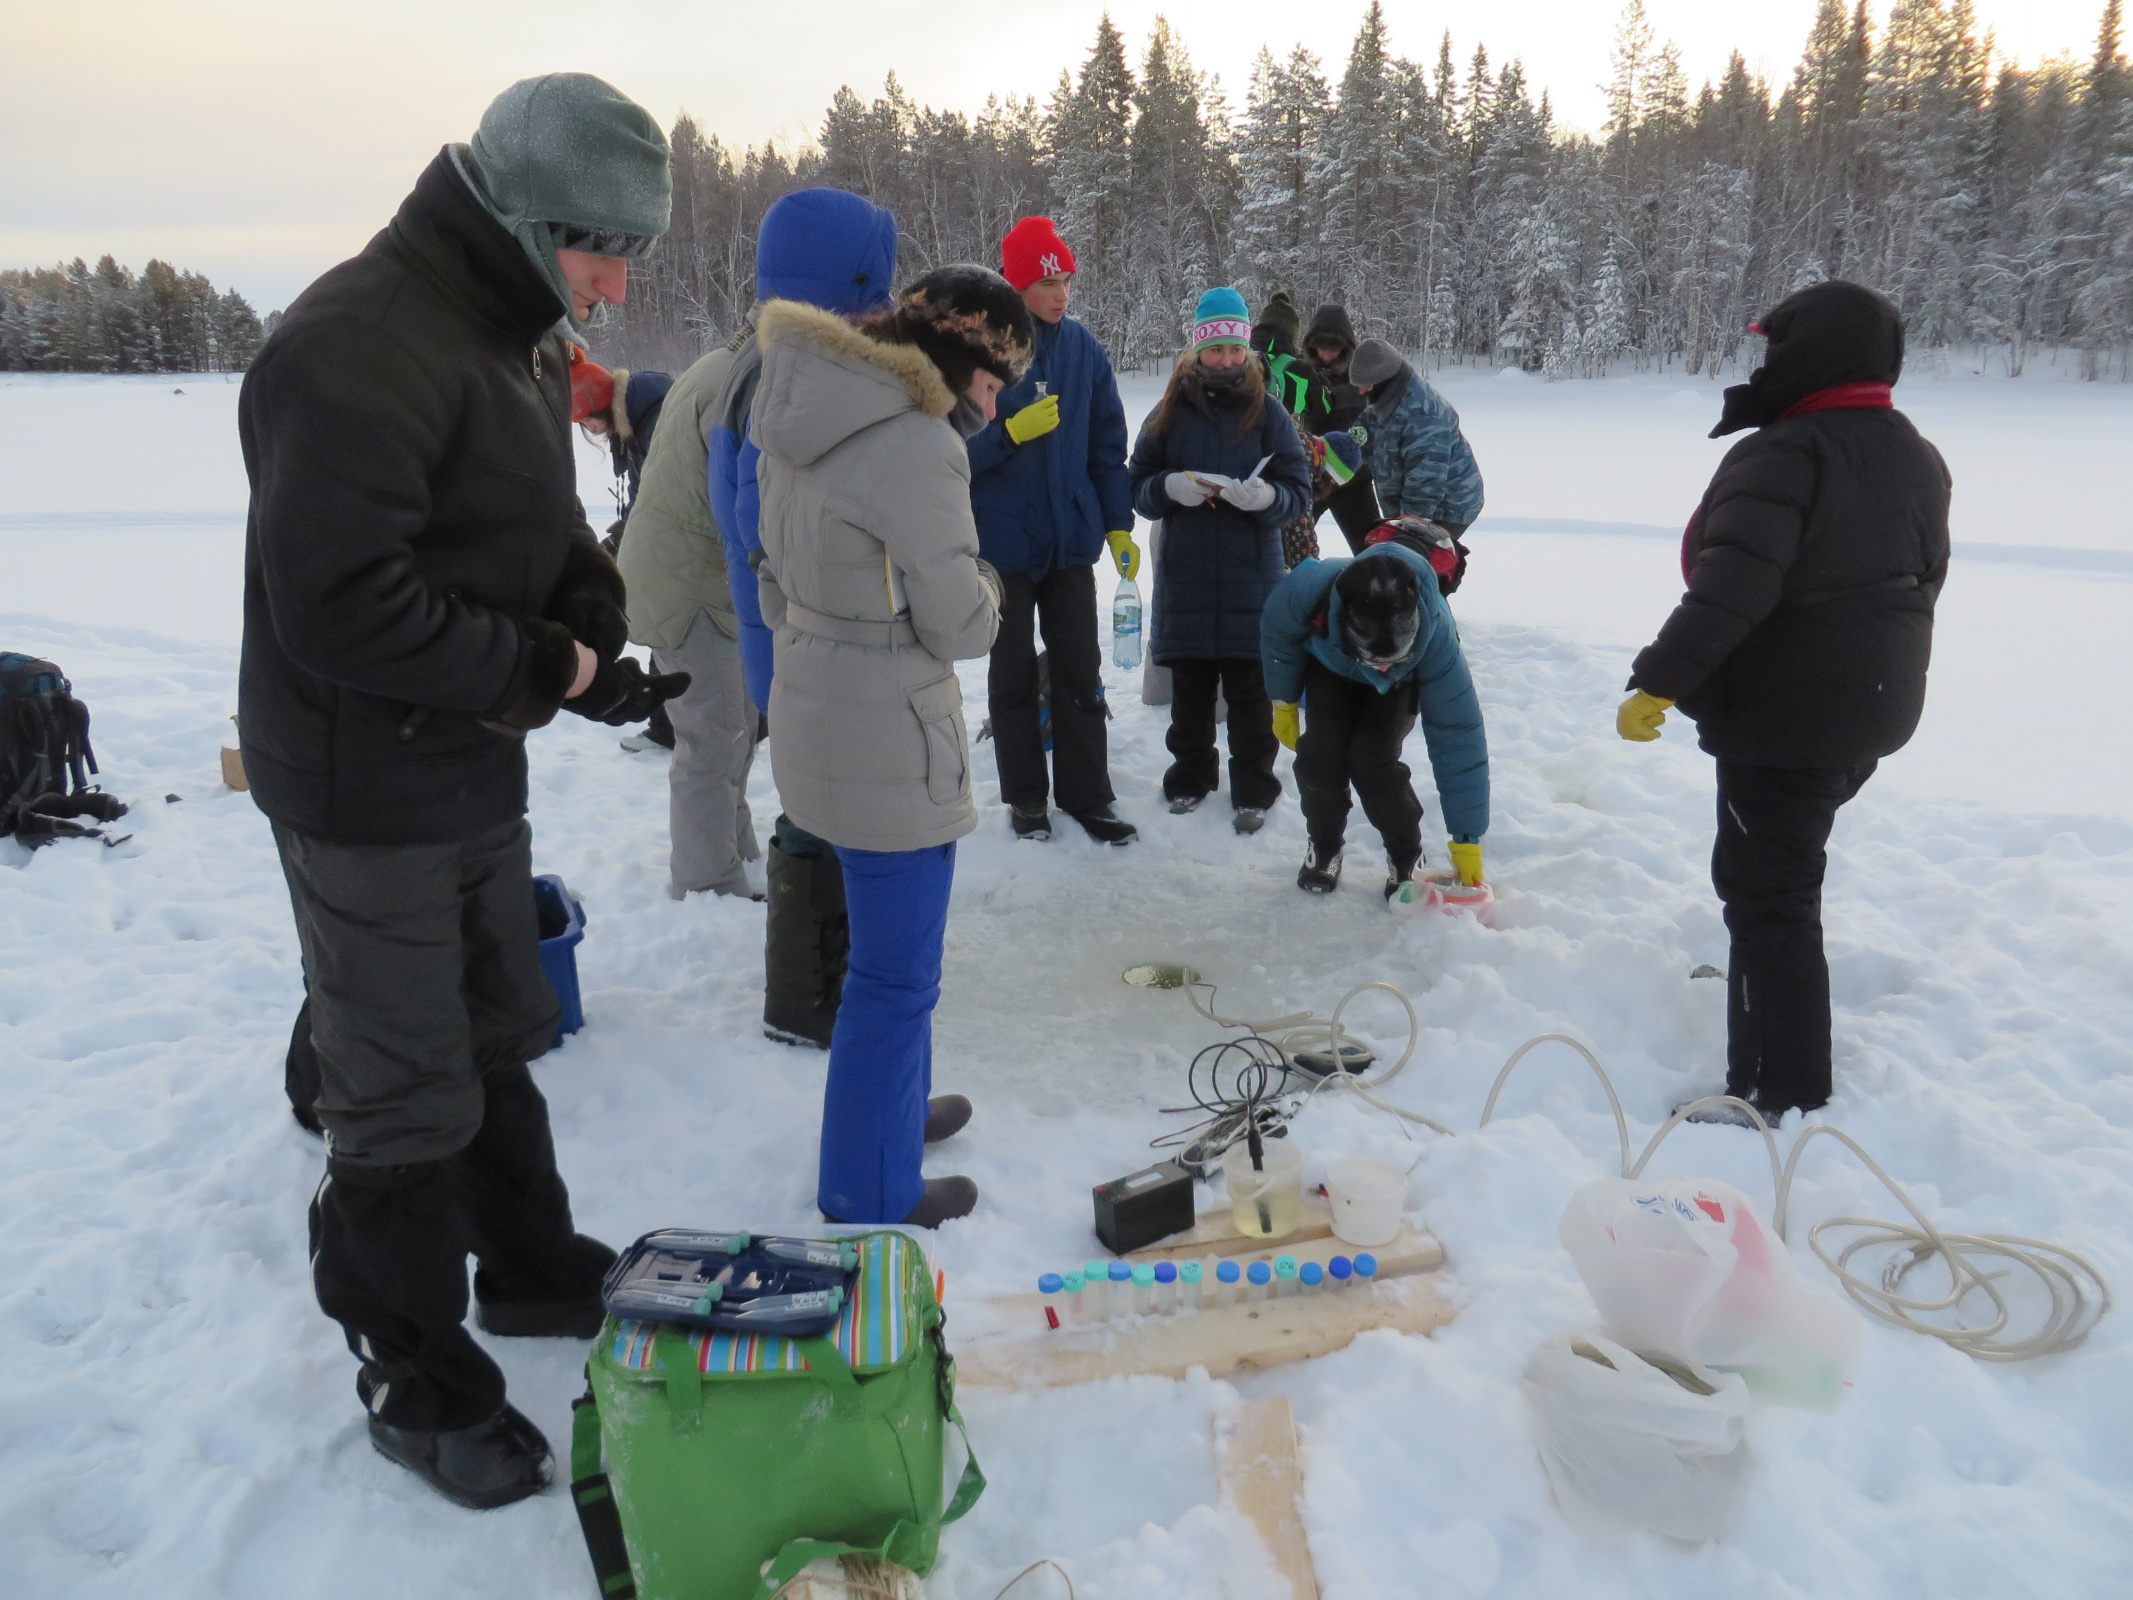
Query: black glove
{"points": [[595, 621], [622, 692]]}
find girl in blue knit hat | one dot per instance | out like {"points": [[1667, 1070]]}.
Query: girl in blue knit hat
{"points": [[1220, 466]]}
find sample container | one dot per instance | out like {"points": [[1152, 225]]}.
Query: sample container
{"points": [[1266, 1201], [1368, 1199]]}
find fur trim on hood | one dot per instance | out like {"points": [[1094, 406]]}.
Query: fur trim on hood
{"points": [[836, 338], [618, 416]]}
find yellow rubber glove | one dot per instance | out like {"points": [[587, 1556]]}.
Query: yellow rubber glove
{"points": [[1034, 420], [1640, 716], [1125, 552], [1467, 858], [1288, 722]]}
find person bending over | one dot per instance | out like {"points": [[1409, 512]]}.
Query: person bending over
{"points": [[1800, 650], [1356, 649]]}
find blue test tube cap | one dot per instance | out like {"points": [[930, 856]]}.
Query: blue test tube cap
{"points": [[1120, 1272], [1260, 1273], [1366, 1265], [1166, 1272], [1340, 1268], [1312, 1274], [1228, 1272], [1050, 1283]]}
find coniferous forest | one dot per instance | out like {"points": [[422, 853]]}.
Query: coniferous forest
{"points": [[79, 318], [1439, 200]]}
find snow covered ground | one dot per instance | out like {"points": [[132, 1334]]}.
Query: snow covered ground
{"points": [[177, 1418]]}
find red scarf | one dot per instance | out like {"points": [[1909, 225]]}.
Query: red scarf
{"points": [[1844, 397]]}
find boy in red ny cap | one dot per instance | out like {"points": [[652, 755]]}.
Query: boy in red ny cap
{"points": [[1049, 489]]}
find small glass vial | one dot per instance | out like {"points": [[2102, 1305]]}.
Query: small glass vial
{"points": [[1166, 1288], [1366, 1270], [1076, 1301], [1120, 1275], [1192, 1287], [1338, 1271], [1258, 1279], [1051, 1285], [1310, 1277], [1227, 1287], [1097, 1275], [1143, 1289], [1284, 1277]]}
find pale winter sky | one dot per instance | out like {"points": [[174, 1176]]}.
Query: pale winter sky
{"points": [[260, 141]]}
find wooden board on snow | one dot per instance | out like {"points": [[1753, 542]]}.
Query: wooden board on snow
{"points": [[1262, 1478], [1240, 1338]]}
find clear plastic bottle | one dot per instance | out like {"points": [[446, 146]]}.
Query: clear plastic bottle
{"points": [[1192, 1287], [1258, 1279], [1051, 1285], [1366, 1270], [1120, 1274], [1284, 1277], [1143, 1289], [1074, 1286], [1097, 1275], [1166, 1288], [1339, 1270], [1228, 1289], [1126, 626]]}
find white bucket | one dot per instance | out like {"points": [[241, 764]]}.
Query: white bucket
{"points": [[1369, 1199]]}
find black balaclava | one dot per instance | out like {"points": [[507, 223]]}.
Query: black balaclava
{"points": [[1381, 609], [1829, 334]]}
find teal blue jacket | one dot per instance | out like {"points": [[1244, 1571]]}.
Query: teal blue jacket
{"points": [[1303, 618]]}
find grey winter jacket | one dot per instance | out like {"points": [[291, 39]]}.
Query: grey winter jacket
{"points": [[1418, 455], [673, 559], [871, 583]]}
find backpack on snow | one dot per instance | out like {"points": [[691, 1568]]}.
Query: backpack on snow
{"points": [[714, 1465], [45, 759]]}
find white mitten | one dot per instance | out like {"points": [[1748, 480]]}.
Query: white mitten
{"points": [[1253, 494], [1185, 490]]}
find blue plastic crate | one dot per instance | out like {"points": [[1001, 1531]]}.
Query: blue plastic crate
{"points": [[562, 921]]}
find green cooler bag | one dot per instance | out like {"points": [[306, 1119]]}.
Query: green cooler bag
{"points": [[726, 1450]]}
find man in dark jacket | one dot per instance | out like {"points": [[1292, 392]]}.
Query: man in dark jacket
{"points": [[1813, 564], [421, 589], [833, 249], [1048, 487], [1329, 345]]}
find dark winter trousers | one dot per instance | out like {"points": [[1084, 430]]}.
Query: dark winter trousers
{"points": [[1063, 604], [881, 1056], [1354, 735], [427, 999], [1773, 824], [1355, 508], [1196, 770]]}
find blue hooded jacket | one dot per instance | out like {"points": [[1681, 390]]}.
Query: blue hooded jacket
{"points": [[1418, 455], [1048, 504], [1303, 618], [829, 248]]}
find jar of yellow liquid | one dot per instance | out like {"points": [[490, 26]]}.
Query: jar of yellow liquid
{"points": [[1266, 1188]]}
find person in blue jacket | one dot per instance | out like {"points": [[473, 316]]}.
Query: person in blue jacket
{"points": [[833, 249], [1049, 489], [1221, 465], [1419, 457], [1356, 648]]}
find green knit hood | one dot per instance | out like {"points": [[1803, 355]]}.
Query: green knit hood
{"points": [[567, 149]]}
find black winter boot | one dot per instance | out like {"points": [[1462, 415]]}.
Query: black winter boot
{"points": [[807, 942], [1033, 823], [1106, 826], [1321, 871], [946, 1116], [498, 1460]]}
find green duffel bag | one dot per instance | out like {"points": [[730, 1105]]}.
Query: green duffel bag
{"points": [[724, 1451]]}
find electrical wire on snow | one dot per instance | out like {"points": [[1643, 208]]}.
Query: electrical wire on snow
{"points": [[2076, 1291]]}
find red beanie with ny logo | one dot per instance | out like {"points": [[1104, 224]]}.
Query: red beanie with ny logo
{"points": [[1033, 250]]}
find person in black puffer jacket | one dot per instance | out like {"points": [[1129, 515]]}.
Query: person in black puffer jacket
{"points": [[1329, 345], [421, 589], [1813, 564], [1193, 468]]}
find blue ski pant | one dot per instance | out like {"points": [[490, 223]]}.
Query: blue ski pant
{"points": [[881, 1054]]}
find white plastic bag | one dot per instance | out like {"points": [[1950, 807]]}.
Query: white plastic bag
{"points": [[1630, 1445], [1684, 1267]]}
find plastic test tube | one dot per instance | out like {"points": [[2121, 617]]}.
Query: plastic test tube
{"points": [[1121, 1275], [1050, 1286], [1257, 1280], [1284, 1277], [1227, 1288], [1166, 1287], [1097, 1276], [1143, 1289], [1366, 1269], [1191, 1276], [1210, 1281], [1073, 1285], [1309, 1276], [1340, 1269]]}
